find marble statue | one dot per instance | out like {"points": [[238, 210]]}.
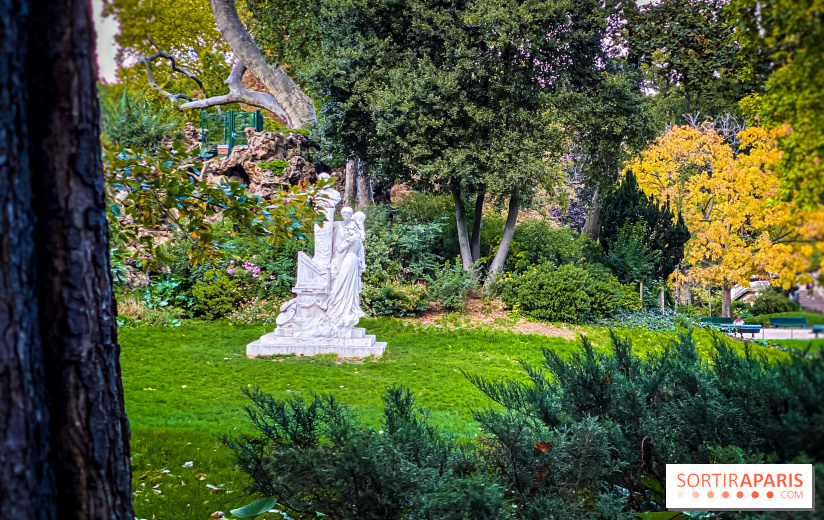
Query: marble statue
{"points": [[321, 318]]}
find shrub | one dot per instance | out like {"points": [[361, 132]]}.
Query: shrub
{"points": [[628, 257], [422, 208], [163, 317], [772, 302], [256, 310], [575, 437], [451, 285], [538, 241], [568, 293], [217, 298], [394, 300], [317, 460], [550, 293]]}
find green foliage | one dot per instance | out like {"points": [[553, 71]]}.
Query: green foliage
{"points": [[689, 55], [134, 124], [159, 193], [772, 302], [422, 208], [451, 285], [394, 300], [218, 297], [550, 293], [668, 403], [172, 425], [789, 36], [276, 167], [563, 437], [162, 317], [303, 450], [628, 256], [629, 205], [538, 241]]}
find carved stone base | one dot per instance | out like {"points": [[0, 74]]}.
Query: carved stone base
{"points": [[348, 343]]}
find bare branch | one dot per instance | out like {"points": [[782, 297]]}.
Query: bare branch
{"points": [[240, 94], [174, 98], [296, 107], [173, 63]]}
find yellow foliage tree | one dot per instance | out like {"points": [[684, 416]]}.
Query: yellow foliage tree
{"points": [[729, 200]]}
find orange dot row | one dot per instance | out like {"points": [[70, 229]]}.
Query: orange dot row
{"points": [[725, 494]]}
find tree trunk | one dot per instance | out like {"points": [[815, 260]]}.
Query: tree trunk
{"points": [[726, 300], [475, 240], [503, 247], [63, 427], [364, 187], [298, 107], [463, 234], [350, 188], [592, 225]]}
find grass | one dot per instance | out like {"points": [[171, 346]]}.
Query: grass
{"points": [[183, 391], [800, 344], [812, 318]]}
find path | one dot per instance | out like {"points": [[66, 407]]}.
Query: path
{"points": [[811, 301]]}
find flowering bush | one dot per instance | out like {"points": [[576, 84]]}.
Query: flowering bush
{"points": [[256, 310]]}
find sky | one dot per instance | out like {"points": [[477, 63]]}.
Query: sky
{"points": [[107, 29]]}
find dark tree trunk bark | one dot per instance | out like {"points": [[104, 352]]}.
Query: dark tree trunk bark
{"points": [[726, 300], [503, 247], [463, 234], [592, 225], [475, 240], [63, 427]]}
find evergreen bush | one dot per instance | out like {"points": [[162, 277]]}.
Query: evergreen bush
{"points": [[772, 302], [550, 293], [217, 298], [581, 437]]}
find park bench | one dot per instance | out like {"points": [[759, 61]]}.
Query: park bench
{"points": [[789, 322], [818, 329], [742, 329]]}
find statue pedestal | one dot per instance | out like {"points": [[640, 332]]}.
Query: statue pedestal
{"points": [[345, 343]]}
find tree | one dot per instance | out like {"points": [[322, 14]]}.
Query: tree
{"points": [[729, 201], [663, 232], [63, 425], [456, 100], [789, 34], [688, 53], [283, 98]]}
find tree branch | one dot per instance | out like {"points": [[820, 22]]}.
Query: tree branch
{"points": [[240, 94], [296, 106]]}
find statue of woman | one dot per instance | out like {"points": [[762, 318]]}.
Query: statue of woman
{"points": [[343, 307]]}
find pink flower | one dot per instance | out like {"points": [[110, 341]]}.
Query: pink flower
{"points": [[232, 262], [272, 277], [230, 271]]}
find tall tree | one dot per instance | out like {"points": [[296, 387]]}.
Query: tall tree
{"points": [[463, 98], [197, 43], [728, 198], [63, 425], [663, 232], [789, 35], [688, 53]]}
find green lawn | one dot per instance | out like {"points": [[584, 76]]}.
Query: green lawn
{"points": [[183, 391]]}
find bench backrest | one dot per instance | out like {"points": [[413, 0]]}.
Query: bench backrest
{"points": [[716, 321], [788, 322]]}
